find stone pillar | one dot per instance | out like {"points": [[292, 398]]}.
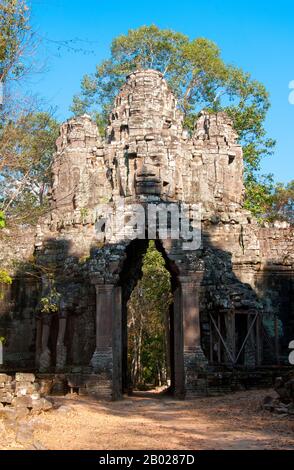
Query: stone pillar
{"points": [[102, 359], [38, 341], [60, 346], [117, 345], [194, 359], [45, 356], [177, 366]]}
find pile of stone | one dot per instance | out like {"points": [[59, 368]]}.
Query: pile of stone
{"points": [[6, 389], [284, 403], [21, 394]]}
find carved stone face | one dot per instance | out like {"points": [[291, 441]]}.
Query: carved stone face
{"points": [[147, 176], [155, 175], [144, 124]]}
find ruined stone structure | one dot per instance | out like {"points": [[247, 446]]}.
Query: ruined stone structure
{"points": [[232, 314]]}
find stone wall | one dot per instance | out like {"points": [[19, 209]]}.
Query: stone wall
{"points": [[17, 318], [17, 244], [147, 155], [21, 393]]}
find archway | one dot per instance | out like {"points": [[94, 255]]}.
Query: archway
{"points": [[130, 275]]}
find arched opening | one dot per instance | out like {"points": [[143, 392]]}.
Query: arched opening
{"points": [[151, 345]]}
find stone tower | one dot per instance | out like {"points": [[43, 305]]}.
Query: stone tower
{"points": [[227, 290]]}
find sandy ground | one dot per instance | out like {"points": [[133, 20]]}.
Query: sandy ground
{"points": [[233, 421]]}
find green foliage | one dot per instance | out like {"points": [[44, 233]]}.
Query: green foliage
{"points": [[50, 303], [259, 195], [84, 213], [200, 79], [4, 279], [14, 29], [27, 146], [147, 47], [148, 324], [270, 201], [282, 204], [2, 219]]}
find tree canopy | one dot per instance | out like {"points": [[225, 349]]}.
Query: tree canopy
{"points": [[14, 34], [282, 203], [27, 134], [199, 77], [26, 148]]}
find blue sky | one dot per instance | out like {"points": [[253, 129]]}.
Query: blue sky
{"points": [[255, 35]]}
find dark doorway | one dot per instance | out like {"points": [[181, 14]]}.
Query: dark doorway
{"points": [[157, 341]]}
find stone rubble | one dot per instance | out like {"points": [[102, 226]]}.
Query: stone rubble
{"points": [[21, 394], [284, 404], [20, 404]]}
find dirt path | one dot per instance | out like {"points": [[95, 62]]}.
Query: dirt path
{"points": [[231, 422]]}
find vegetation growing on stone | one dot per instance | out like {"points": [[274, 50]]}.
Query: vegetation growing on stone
{"points": [[4, 280]]}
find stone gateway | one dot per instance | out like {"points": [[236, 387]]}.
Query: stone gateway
{"points": [[232, 315]]}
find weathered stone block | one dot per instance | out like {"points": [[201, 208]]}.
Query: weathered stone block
{"points": [[4, 378], [22, 402], [24, 377], [41, 404]]}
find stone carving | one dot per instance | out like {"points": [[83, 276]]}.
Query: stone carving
{"points": [[147, 154], [241, 268]]}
